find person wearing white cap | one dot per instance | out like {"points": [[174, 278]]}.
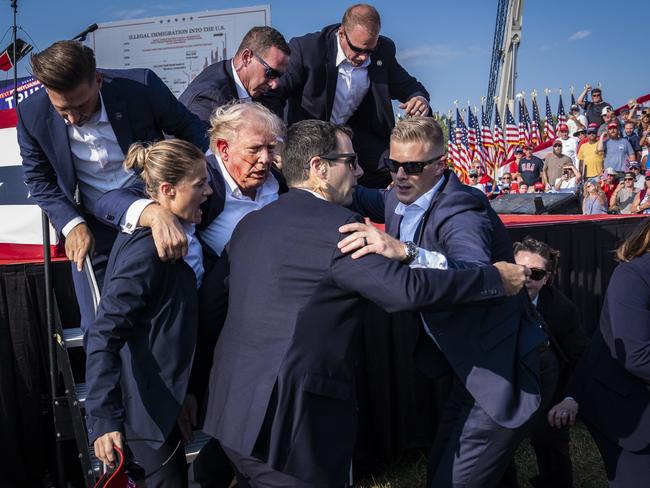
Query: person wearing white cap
{"points": [[576, 120]]}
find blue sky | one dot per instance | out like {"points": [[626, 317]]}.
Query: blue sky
{"points": [[446, 45]]}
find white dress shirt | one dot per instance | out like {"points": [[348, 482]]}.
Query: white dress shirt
{"points": [[352, 84], [242, 92], [236, 207], [412, 215], [97, 158], [194, 256]]}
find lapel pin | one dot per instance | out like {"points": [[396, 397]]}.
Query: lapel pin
{"points": [[118, 115], [379, 62]]}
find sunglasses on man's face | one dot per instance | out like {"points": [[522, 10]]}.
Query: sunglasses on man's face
{"points": [[409, 167], [269, 73], [348, 158], [537, 274], [356, 49]]}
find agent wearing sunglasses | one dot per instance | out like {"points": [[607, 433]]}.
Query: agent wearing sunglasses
{"points": [[348, 74], [429, 209], [258, 64], [551, 445]]}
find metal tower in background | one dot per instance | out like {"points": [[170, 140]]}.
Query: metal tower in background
{"points": [[503, 67]]}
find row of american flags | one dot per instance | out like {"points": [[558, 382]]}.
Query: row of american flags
{"points": [[492, 147]]}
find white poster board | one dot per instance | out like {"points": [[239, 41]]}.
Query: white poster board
{"points": [[176, 47]]}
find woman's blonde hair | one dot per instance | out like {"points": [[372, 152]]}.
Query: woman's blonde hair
{"points": [[163, 161]]}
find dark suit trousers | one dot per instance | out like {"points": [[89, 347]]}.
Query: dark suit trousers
{"points": [[551, 447], [470, 449], [253, 473], [164, 467], [104, 239], [624, 469]]}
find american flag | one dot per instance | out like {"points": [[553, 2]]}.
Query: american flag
{"points": [[472, 129], [499, 140], [561, 116], [524, 125], [452, 149], [479, 153], [535, 134], [461, 144], [573, 98], [488, 141], [550, 128], [512, 134]]}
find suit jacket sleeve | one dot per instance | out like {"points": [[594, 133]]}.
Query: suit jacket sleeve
{"points": [[396, 287], [628, 297], [126, 293], [171, 116], [112, 205], [370, 202], [466, 231], [41, 179]]}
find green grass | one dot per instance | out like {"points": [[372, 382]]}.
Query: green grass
{"points": [[588, 471]]}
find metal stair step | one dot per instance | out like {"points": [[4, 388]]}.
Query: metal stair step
{"points": [[73, 337], [81, 391]]}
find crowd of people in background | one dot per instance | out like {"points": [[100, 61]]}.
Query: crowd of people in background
{"points": [[597, 155]]}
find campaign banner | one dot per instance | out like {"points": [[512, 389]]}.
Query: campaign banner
{"points": [[176, 47], [21, 237], [26, 86]]}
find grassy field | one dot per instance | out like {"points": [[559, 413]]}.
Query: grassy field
{"points": [[588, 471]]}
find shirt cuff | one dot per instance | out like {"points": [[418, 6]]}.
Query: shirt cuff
{"points": [[129, 222], [71, 225], [429, 259]]}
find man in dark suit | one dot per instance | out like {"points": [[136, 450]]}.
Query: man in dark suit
{"points": [[260, 60], [348, 74], [282, 385], [551, 445], [492, 351], [73, 137]]}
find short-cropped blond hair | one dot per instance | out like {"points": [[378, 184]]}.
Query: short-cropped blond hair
{"points": [[418, 129]]}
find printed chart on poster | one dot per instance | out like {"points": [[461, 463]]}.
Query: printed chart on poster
{"points": [[176, 47]]}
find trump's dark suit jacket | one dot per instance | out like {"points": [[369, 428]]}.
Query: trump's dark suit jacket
{"points": [[282, 384], [612, 380], [139, 107], [141, 344], [485, 344], [309, 86]]}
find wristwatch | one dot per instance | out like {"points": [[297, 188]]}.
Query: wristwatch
{"points": [[411, 252]]}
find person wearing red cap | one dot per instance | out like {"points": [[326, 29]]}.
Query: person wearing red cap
{"points": [[569, 143], [589, 158], [617, 150]]}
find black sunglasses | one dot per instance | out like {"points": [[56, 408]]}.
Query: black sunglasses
{"points": [[409, 167], [269, 73], [358, 50], [537, 274], [348, 158]]}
